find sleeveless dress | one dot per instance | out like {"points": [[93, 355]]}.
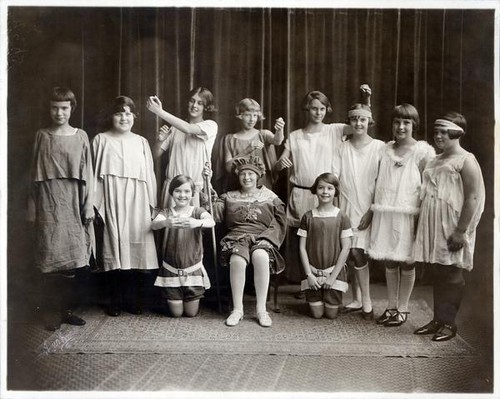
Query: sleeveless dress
{"points": [[442, 197], [357, 170], [397, 202]]}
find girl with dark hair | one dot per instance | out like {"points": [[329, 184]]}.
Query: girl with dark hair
{"points": [[325, 239], [61, 208], [188, 144], [125, 197], [395, 211], [182, 276], [452, 203]]}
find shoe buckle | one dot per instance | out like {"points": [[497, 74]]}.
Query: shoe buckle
{"points": [[181, 272], [320, 273]]}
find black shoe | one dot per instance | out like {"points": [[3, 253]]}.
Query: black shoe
{"points": [[346, 309], [134, 309], [430, 328], [113, 310], [367, 315], [69, 318], [446, 332], [397, 319], [388, 313], [53, 323]]}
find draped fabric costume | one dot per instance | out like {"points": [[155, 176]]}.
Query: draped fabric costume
{"points": [[61, 196], [125, 194], [234, 146], [311, 155], [357, 170], [397, 202], [251, 218], [183, 250], [442, 197], [187, 155]]}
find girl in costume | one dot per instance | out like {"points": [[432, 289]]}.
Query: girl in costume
{"points": [[452, 203], [325, 239], [395, 209], [61, 209], [182, 275], [125, 198]]}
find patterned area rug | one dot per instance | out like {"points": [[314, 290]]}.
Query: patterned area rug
{"points": [[293, 333]]}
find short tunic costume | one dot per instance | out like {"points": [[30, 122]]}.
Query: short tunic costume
{"points": [[357, 170], [234, 145], [311, 155], [187, 155], [249, 219], [183, 251], [125, 195], [61, 196], [324, 233], [397, 202], [442, 197]]}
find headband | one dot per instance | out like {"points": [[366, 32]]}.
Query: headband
{"points": [[359, 112], [448, 124]]}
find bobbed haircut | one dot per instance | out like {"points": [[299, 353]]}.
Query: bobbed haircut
{"points": [[407, 111], [63, 94], [316, 95], [178, 181], [249, 105], [329, 178], [364, 107], [206, 96], [457, 119], [119, 104]]}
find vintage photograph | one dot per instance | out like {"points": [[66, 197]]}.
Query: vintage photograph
{"points": [[278, 200]]}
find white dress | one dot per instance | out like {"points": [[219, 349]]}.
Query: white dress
{"points": [[125, 187], [187, 155], [442, 201], [397, 202], [311, 154], [357, 170]]}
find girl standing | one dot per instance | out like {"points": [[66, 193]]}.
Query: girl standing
{"points": [[60, 206], [308, 153], [325, 239], [125, 198], [250, 141], [356, 165], [182, 276], [452, 204], [188, 144], [395, 209]]}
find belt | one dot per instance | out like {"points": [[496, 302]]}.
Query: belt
{"points": [[321, 276], [187, 270]]}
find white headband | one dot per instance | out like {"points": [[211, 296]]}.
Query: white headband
{"points": [[359, 112], [448, 124]]}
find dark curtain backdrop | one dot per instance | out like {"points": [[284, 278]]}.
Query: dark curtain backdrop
{"points": [[438, 60]]}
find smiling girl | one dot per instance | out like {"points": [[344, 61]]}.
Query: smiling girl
{"points": [[182, 276], [125, 197], [188, 144]]}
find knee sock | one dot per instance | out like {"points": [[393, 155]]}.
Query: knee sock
{"points": [[392, 279], [237, 266], [260, 262], [405, 288], [363, 275]]}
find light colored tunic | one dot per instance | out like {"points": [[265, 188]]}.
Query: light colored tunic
{"points": [[61, 196], [187, 155], [234, 145], [125, 194], [442, 201], [397, 202], [357, 170], [311, 154]]}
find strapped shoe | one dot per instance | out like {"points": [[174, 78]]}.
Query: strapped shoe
{"points": [[347, 309], [430, 328], [69, 318], [388, 313], [446, 332], [397, 319], [234, 318], [367, 315], [264, 319]]}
